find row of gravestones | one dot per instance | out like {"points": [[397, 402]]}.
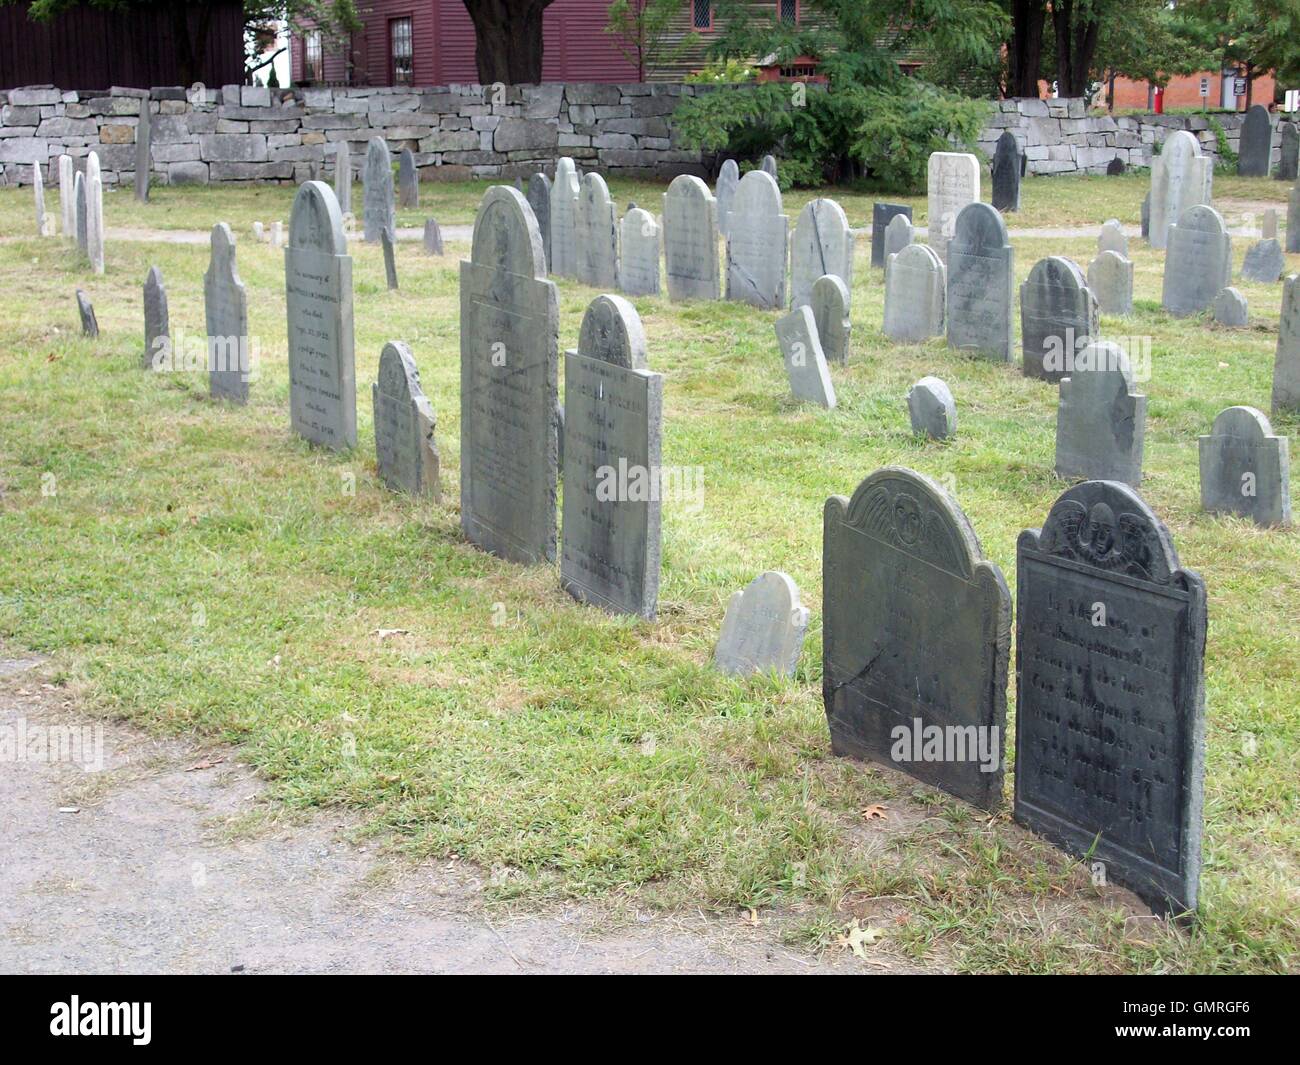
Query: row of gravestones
{"points": [[81, 203]]}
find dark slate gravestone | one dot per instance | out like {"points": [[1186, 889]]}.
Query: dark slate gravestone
{"points": [[1264, 262], [932, 410], [830, 307], [89, 324], [377, 199], [763, 629], [390, 258], [143, 156], [881, 215], [1256, 149], [509, 335], [539, 199], [1231, 308], [1293, 220], [1245, 469], [405, 452], [157, 327], [805, 362], [691, 239], [225, 308], [1007, 168], [613, 419], [1286, 361], [1198, 262], [1115, 167], [1100, 419], [1058, 314], [981, 271], [1288, 167], [916, 631], [408, 179], [432, 237], [1110, 717], [318, 294]]}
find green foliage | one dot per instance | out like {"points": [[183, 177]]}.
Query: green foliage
{"points": [[642, 32], [722, 72], [1227, 163]]}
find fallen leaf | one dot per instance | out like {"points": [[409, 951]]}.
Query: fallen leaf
{"points": [[857, 938], [876, 812], [206, 764], [752, 917]]}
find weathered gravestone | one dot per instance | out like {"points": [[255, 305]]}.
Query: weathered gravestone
{"points": [[94, 214], [1058, 314], [343, 175], [981, 271], [1286, 361], [225, 308], [1268, 225], [916, 632], [408, 179], [564, 220], [38, 195], [757, 243], [1293, 220], [406, 454], [318, 296], [1288, 166], [763, 629], [823, 244], [691, 239], [1245, 469], [1110, 279], [1112, 238], [725, 193], [1110, 728], [613, 421], [157, 325], [914, 294], [67, 198], [805, 362], [1181, 177], [597, 234], [1230, 308], [378, 212], [769, 166], [1198, 263], [1146, 216], [1005, 172], [390, 258], [931, 409], [638, 264], [1264, 262], [81, 210], [830, 307], [898, 235], [509, 332], [882, 219], [89, 324], [953, 182], [143, 152], [539, 199], [1255, 151], [1100, 418], [432, 237]]}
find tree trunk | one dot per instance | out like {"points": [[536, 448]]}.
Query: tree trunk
{"points": [[507, 40], [1076, 43], [1024, 55]]}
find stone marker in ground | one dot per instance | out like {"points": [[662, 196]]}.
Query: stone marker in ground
{"points": [[539, 199], [596, 237], [725, 192], [390, 259], [157, 323], [932, 410], [763, 629], [67, 198], [225, 309], [343, 176], [378, 212], [613, 421], [277, 234], [1198, 263], [1230, 308], [638, 263], [1110, 279], [259, 232], [769, 166], [980, 270], [1288, 166], [805, 362], [757, 243], [1112, 238], [143, 152], [1146, 216], [408, 179], [1110, 726], [1264, 262], [89, 324], [1293, 220], [1181, 177], [432, 237], [898, 235], [915, 284], [94, 214], [318, 295], [1268, 225], [38, 196], [564, 219], [1005, 172], [830, 307], [1255, 151], [691, 240], [916, 633], [509, 334], [80, 212], [406, 454], [822, 244], [1245, 469], [1100, 418], [1058, 313], [953, 181], [1286, 360], [882, 219]]}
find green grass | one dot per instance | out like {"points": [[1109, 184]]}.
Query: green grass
{"points": [[200, 570]]}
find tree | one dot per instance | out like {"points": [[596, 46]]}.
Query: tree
{"points": [[1255, 36], [336, 20], [642, 32], [507, 40]]}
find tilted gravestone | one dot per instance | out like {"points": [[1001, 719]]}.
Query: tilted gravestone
{"points": [[67, 198], [769, 166], [1058, 314], [225, 309], [318, 296], [763, 629], [1264, 262], [882, 219], [94, 214], [757, 243], [1198, 263], [1110, 279], [915, 285], [81, 211], [408, 179], [898, 235], [725, 193], [1100, 418], [539, 199], [509, 336], [1288, 166], [981, 270], [143, 152], [805, 362], [1245, 469], [1286, 360], [823, 244], [1230, 308], [638, 264], [390, 258], [830, 307], [1293, 220], [691, 240], [89, 324], [931, 409], [564, 220], [1112, 238], [157, 325], [1256, 148], [343, 175], [1005, 172], [378, 210], [597, 234], [432, 237], [1110, 716], [916, 633], [613, 422], [1181, 177], [953, 182], [406, 454]]}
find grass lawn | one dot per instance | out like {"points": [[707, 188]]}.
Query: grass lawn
{"points": [[195, 568]]}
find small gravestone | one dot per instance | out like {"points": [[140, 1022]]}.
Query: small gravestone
{"points": [[390, 259], [830, 307], [38, 195], [638, 264], [763, 629], [1112, 238], [1286, 361], [564, 219], [343, 176], [725, 193], [613, 413], [67, 198], [1115, 167], [318, 297], [1288, 166], [823, 244], [981, 291], [143, 154], [1293, 220], [1110, 279], [1268, 225], [1100, 418], [1058, 315], [1198, 263], [1005, 172], [277, 234], [805, 363], [259, 232], [405, 452], [952, 182], [1110, 716], [769, 166], [1181, 177], [932, 410], [432, 237], [757, 243], [882, 219], [408, 179], [378, 212], [597, 234], [225, 309], [157, 326], [1256, 148], [915, 285], [1146, 217], [898, 235], [89, 324], [1264, 262], [916, 632], [691, 239], [81, 211], [1245, 469], [94, 214], [539, 199], [1230, 308]]}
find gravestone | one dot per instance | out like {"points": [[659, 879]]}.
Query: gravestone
{"points": [[408, 179], [143, 152], [1005, 172], [638, 264], [1264, 262], [1181, 177], [1230, 308], [1112, 238], [343, 175], [67, 198], [1255, 152], [1268, 226], [1115, 167], [597, 234], [757, 243], [898, 235], [94, 214], [432, 237], [378, 212], [38, 195], [277, 234], [539, 199], [1288, 166], [564, 220], [225, 310], [691, 240], [390, 259], [1286, 360], [157, 325], [1293, 220], [1245, 469], [1100, 418], [613, 421], [805, 363], [769, 166], [82, 211], [259, 232], [1110, 726], [1058, 313], [915, 285], [882, 218], [980, 268], [1110, 279], [509, 332], [823, 244], [830, 307], [406, 454], [953, 181], [763, 629], [1146, 217], [725, 194], [916, 633], [1198, 263], [89, 324], [932, 410], [318, 297]]}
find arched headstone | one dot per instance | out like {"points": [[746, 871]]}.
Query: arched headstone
{"points": [[378, 212], [1005, 172], [1198, 263], [691, 239], [898, 235], [1255, 151], [1112, 238], [981, 271], [1110, 277], [597, 234], [638, 264], [1100, 418], [225, 309], [914, 294], [67, 198], [539, 199], [406, 454], [408, 179], [931, 409], [1058, 315], [1288, 165], [1231, 308], [830, 307], [757, 243], [823, 244], [952, 182], [1245, 469], [94, 214], [343, 175], [1264, 262], [157, 323], [1181, 177], [564, 220], [763, 629], [728, 180], [882, 223]]}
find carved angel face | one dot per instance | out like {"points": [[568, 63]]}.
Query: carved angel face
{"points": [[907, 518], [1099, 532]]}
